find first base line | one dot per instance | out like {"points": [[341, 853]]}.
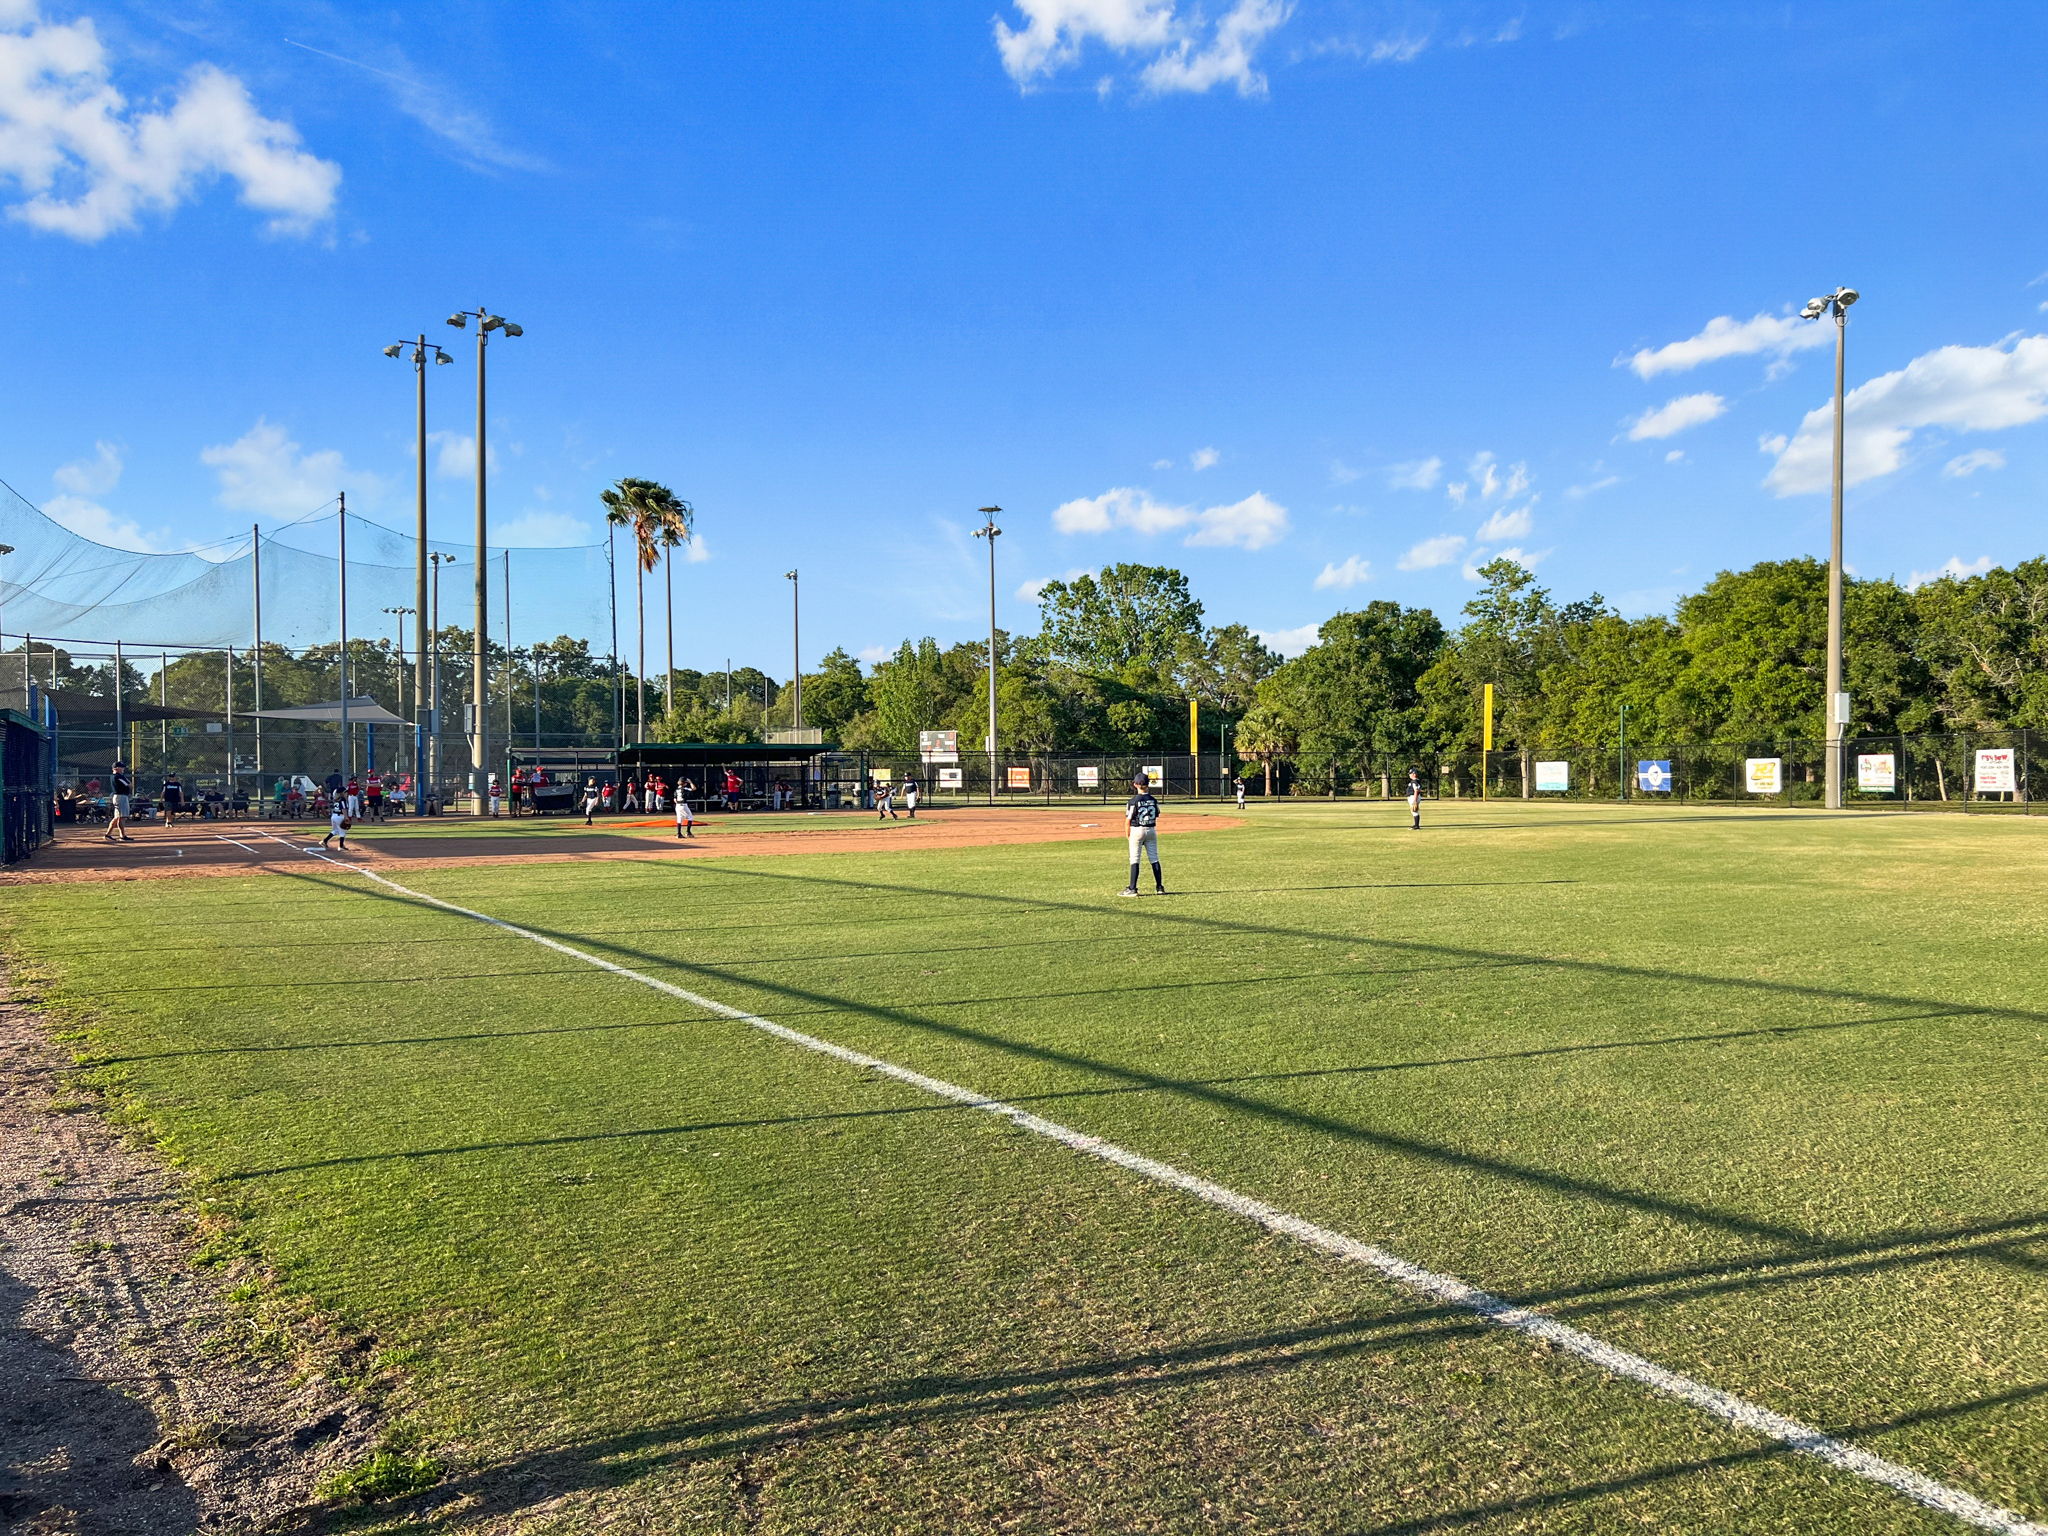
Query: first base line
{"points": [[1448, 1289]]}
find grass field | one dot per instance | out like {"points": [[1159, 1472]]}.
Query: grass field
{"points": [[1755, 1095]]}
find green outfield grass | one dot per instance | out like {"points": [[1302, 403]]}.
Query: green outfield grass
{"points": [[1755, 1094]]}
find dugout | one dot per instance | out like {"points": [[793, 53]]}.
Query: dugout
{"points": [[28, 753], [819, 776]]}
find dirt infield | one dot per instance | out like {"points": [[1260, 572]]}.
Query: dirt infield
{"points": [[241, 848]]}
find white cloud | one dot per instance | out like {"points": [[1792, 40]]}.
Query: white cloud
{"points": [[1725, 336], [1162, 463], [455, 455], [1350, 574], [1415, 475], [1484, 479], [1289, 642], [1441, 550], [1964, 389], [1962, 465], [544, 530], [695, 550], [1675, 456], [1204, 458], [1521, 557], [91, 164], [94, 476], [1591, 487], [264, 471], [1507, 523], [1253, 523], [1031, 591], [1953, 566], [872, 654], [1342, 473], [1674, 416], [1182, 51], [1397, 50], [90, 520]]}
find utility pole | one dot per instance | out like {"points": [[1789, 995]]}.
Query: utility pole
{"points": [[988, 530], [256, 597], [420, 725], [796, 646]]}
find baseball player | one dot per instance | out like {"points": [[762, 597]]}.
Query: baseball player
{"points": [[686, 819], [1414, 800], [1141, 816]]}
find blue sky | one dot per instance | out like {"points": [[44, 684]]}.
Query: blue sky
{"points": [[1318, 301]]}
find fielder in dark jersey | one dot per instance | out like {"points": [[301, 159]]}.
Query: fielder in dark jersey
{"points": [[1141, 816]]}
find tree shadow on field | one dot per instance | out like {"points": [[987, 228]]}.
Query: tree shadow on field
{"points": [[1505, 1170], [937, 1399]]}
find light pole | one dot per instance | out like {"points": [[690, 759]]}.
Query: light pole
{"points": [[420, 348], [398, 679], [438, 560], [796, 646], [5, 551], [480, 683], [1836, 304], [988, 530]]}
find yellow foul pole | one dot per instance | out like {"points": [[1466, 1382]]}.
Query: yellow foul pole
{"points": [[1195, 744], [1485, 740]]}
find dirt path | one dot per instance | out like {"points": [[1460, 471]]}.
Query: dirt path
{"points": [[120, 1415], [240, 848]]}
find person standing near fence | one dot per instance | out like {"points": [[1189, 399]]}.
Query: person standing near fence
{"points": [[174, 799], [1414, 800], [1237, 784], [1141, 817]]}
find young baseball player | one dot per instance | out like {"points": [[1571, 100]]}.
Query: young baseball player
{"points": [[338, 823], [686, 820], [1414, 801], [885, 801], [1141, 816], [590, 800], [1237, 784], [910, 792]]}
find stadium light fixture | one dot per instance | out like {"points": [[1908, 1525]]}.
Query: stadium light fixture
{"points": [[394, 349], [479, 724], [419, 347], [1837, 305], [988, 530]]}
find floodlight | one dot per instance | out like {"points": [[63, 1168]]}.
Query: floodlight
{"points": [[490, 322], [458, 320], [1815, 308], [514, 330], [442, 357], [1846, 296], [394, 349]]}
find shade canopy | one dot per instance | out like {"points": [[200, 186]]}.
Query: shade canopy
{"points": [[360, 712]]}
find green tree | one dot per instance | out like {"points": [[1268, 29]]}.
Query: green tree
{"points": [[658, 519]]}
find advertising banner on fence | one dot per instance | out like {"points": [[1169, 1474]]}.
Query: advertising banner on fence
{"points": [[949, 778], [1087, 778], [1764, 775], [1654, 775], [1157, 776], [1997, 771], [1876, 773], [1553, 778], [1017, 778]]}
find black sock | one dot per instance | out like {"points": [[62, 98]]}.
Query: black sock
{"points": [[1158, 879], [1134, 877]]}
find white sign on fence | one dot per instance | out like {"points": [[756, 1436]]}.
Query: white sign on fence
{"points": [[1876, 773], [949, 778], [939, 746], [1157, 776], [1997, 771], [1088, 778], [1764, 775], [1553, 778]]}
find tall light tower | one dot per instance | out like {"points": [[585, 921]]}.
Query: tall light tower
{"points": [[796, 651], [420, 348], [1835, 304], [988, 530], [480, 682]]}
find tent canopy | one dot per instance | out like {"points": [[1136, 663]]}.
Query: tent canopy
{"points": [[364, 711]]}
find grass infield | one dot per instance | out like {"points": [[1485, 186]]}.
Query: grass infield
{"points": [[1756, 1095]]}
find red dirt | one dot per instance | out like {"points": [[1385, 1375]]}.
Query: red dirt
{"points": [[240, 848]]}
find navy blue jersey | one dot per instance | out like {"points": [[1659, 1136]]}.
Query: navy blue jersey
{"points": [[1141, 810]]}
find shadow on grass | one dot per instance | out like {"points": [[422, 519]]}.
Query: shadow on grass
{"points": [[1440, 1154]]}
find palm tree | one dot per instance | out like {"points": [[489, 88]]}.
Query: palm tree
{"points": [[1264, 735], [654, 513], [672, 536]]}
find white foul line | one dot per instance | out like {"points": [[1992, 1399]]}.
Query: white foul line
{"points": [[1448, 1289]]}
